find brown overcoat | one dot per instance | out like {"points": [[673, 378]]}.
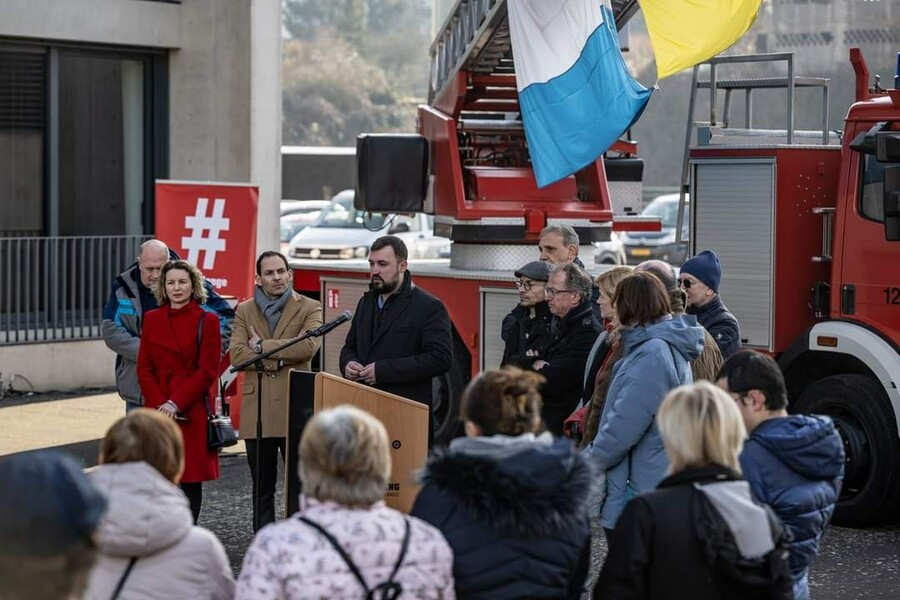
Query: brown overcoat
{"points": [[300, 314]]}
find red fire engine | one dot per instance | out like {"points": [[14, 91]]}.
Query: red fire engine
{"points": [[808, 234]]}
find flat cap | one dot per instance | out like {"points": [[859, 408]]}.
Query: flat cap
{"points": [[536, 270]]}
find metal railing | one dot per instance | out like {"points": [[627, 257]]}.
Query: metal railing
{"points": [[55, 288]]}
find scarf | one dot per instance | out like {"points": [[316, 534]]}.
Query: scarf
{"points": [[271, 307]]}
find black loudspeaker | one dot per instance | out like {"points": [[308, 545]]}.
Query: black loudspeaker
{"points": [[391, 172]]}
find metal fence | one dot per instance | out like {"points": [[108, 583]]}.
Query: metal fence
{"points": [[54, 288]]}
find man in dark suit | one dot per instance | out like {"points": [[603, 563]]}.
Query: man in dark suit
{"points": [[400, 335]]}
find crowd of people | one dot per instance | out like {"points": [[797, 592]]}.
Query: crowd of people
{"points": [[624, 406]]}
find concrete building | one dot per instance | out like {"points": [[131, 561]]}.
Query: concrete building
{"points": [[98, 99]]}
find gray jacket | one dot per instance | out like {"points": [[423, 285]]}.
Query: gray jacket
{"points": [[121, 329]]}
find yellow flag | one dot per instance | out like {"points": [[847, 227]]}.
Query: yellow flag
{"points": [[686, 32]]}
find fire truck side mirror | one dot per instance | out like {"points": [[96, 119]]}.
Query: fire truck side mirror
{"points": [[391, 172], [892, 203]]}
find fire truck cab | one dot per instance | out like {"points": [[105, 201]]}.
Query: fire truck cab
{"points": [[807, 226]]}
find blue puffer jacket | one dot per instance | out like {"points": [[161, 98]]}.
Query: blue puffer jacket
{"points": [[654, 362], [795, 465]]}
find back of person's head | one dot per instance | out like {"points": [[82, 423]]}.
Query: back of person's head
{"points": [[641, 299], [148, 436], [49, 511], [747, 370], [345, 457], [608, 280], [669, 278], [701, 425], [504, 401]]}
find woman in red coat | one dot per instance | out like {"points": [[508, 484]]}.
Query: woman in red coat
{"points": [[177, 365]]}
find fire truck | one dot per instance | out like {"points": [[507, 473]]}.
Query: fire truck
{"points": [[807, 232]]}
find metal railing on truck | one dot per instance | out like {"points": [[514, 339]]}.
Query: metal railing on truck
{"points": [[54, 289]]}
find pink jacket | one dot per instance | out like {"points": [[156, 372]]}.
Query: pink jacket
{"points": [[291, 560]]}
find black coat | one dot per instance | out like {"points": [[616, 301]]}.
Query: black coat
{"points": [[517, 523], [412, 344], [656, 552], [566, 350], [715, 317], [519, 328]]}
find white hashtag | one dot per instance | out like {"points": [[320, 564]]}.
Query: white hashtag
{"points": [[198, 223]]}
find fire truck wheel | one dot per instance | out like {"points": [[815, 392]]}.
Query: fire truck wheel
{"points": [[446, 392], [864, 418]]}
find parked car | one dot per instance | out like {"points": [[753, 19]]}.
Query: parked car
{"points": [[297, 215], [644, 245], [341, 231], [290, 207], [611, 252]]}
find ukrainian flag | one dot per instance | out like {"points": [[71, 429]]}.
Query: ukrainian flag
{"points": [[687, 32]]}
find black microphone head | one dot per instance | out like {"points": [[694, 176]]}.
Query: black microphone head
{"points": [[347, 315]]}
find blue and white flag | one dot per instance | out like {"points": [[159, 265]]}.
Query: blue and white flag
{"points": [[575, 92]]}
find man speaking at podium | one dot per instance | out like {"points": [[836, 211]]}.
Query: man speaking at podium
{"points": [[400, 335], [274, 315]]}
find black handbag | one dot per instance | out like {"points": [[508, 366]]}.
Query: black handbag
{"points": [[219, 430]]}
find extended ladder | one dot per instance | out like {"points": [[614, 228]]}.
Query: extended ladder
{"points": [[475, 38]]}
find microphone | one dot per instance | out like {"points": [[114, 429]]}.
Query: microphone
{"points": [[325, 328]]}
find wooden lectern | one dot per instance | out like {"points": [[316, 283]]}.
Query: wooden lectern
{"points": [[406, 421]]}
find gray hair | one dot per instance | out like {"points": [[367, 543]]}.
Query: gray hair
{"points": [[345, 457], [577, 279], [569, 237]]}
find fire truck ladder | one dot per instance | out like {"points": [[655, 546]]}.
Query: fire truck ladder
{"points": [[706, 130], [475, 38]]}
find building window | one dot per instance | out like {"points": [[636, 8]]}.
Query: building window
{"points": [[82, 136]]}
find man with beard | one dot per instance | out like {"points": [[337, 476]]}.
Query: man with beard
{"points": [[274, 315], [561, 355], [400, 335]]}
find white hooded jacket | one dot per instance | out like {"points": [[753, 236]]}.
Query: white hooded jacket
{"points": [[149, 518]]}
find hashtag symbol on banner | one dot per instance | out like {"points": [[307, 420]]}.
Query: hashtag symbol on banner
{"points": [[213, 224]]}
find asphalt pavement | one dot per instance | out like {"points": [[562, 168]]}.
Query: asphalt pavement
{"points": [[852, 563]]}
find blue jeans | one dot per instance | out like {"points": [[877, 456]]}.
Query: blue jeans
{"points": [[130, 406]]}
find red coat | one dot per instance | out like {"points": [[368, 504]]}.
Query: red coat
{"points": [[169, 369]]}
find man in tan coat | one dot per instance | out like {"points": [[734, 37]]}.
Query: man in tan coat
{"points": [[274, 315]]}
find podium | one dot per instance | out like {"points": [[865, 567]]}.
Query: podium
{"points": [[406, 421]]}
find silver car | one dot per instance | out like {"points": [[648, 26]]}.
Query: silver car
{"points": [[343, 232]]}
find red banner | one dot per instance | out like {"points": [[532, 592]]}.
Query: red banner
{"points": [[212, 226]]}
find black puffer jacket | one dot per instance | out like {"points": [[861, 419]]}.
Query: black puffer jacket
{"points": [[721, 325], [515, 514], [520, 327]]}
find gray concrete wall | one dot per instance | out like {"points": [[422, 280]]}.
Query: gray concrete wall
{"points": [[224, 111]]}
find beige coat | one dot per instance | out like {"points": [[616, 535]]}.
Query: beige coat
{"points": [[148, 518], [300, 314]]}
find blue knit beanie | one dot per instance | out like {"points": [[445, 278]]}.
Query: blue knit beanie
{"points": [[46, 504], [705, 267]]}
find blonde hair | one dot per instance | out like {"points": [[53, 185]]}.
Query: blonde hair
{"points": [[145, 435], [701, 425], [505, 401], [608, 280], [198, 292], [344, 457]]}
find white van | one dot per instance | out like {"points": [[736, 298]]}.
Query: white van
{"points": [[343, 232]]}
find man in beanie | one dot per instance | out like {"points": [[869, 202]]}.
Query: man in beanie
{"points": [[531, 318], [49, 511], [699, 278]]}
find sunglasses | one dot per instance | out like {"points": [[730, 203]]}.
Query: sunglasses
{"points": [[685, 283]]}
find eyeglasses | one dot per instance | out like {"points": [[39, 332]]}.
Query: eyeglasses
{"points": [[685, 283], [527, 285], [550, 292]]}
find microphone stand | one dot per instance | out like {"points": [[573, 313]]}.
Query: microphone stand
{"points": [[257, 361]]}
